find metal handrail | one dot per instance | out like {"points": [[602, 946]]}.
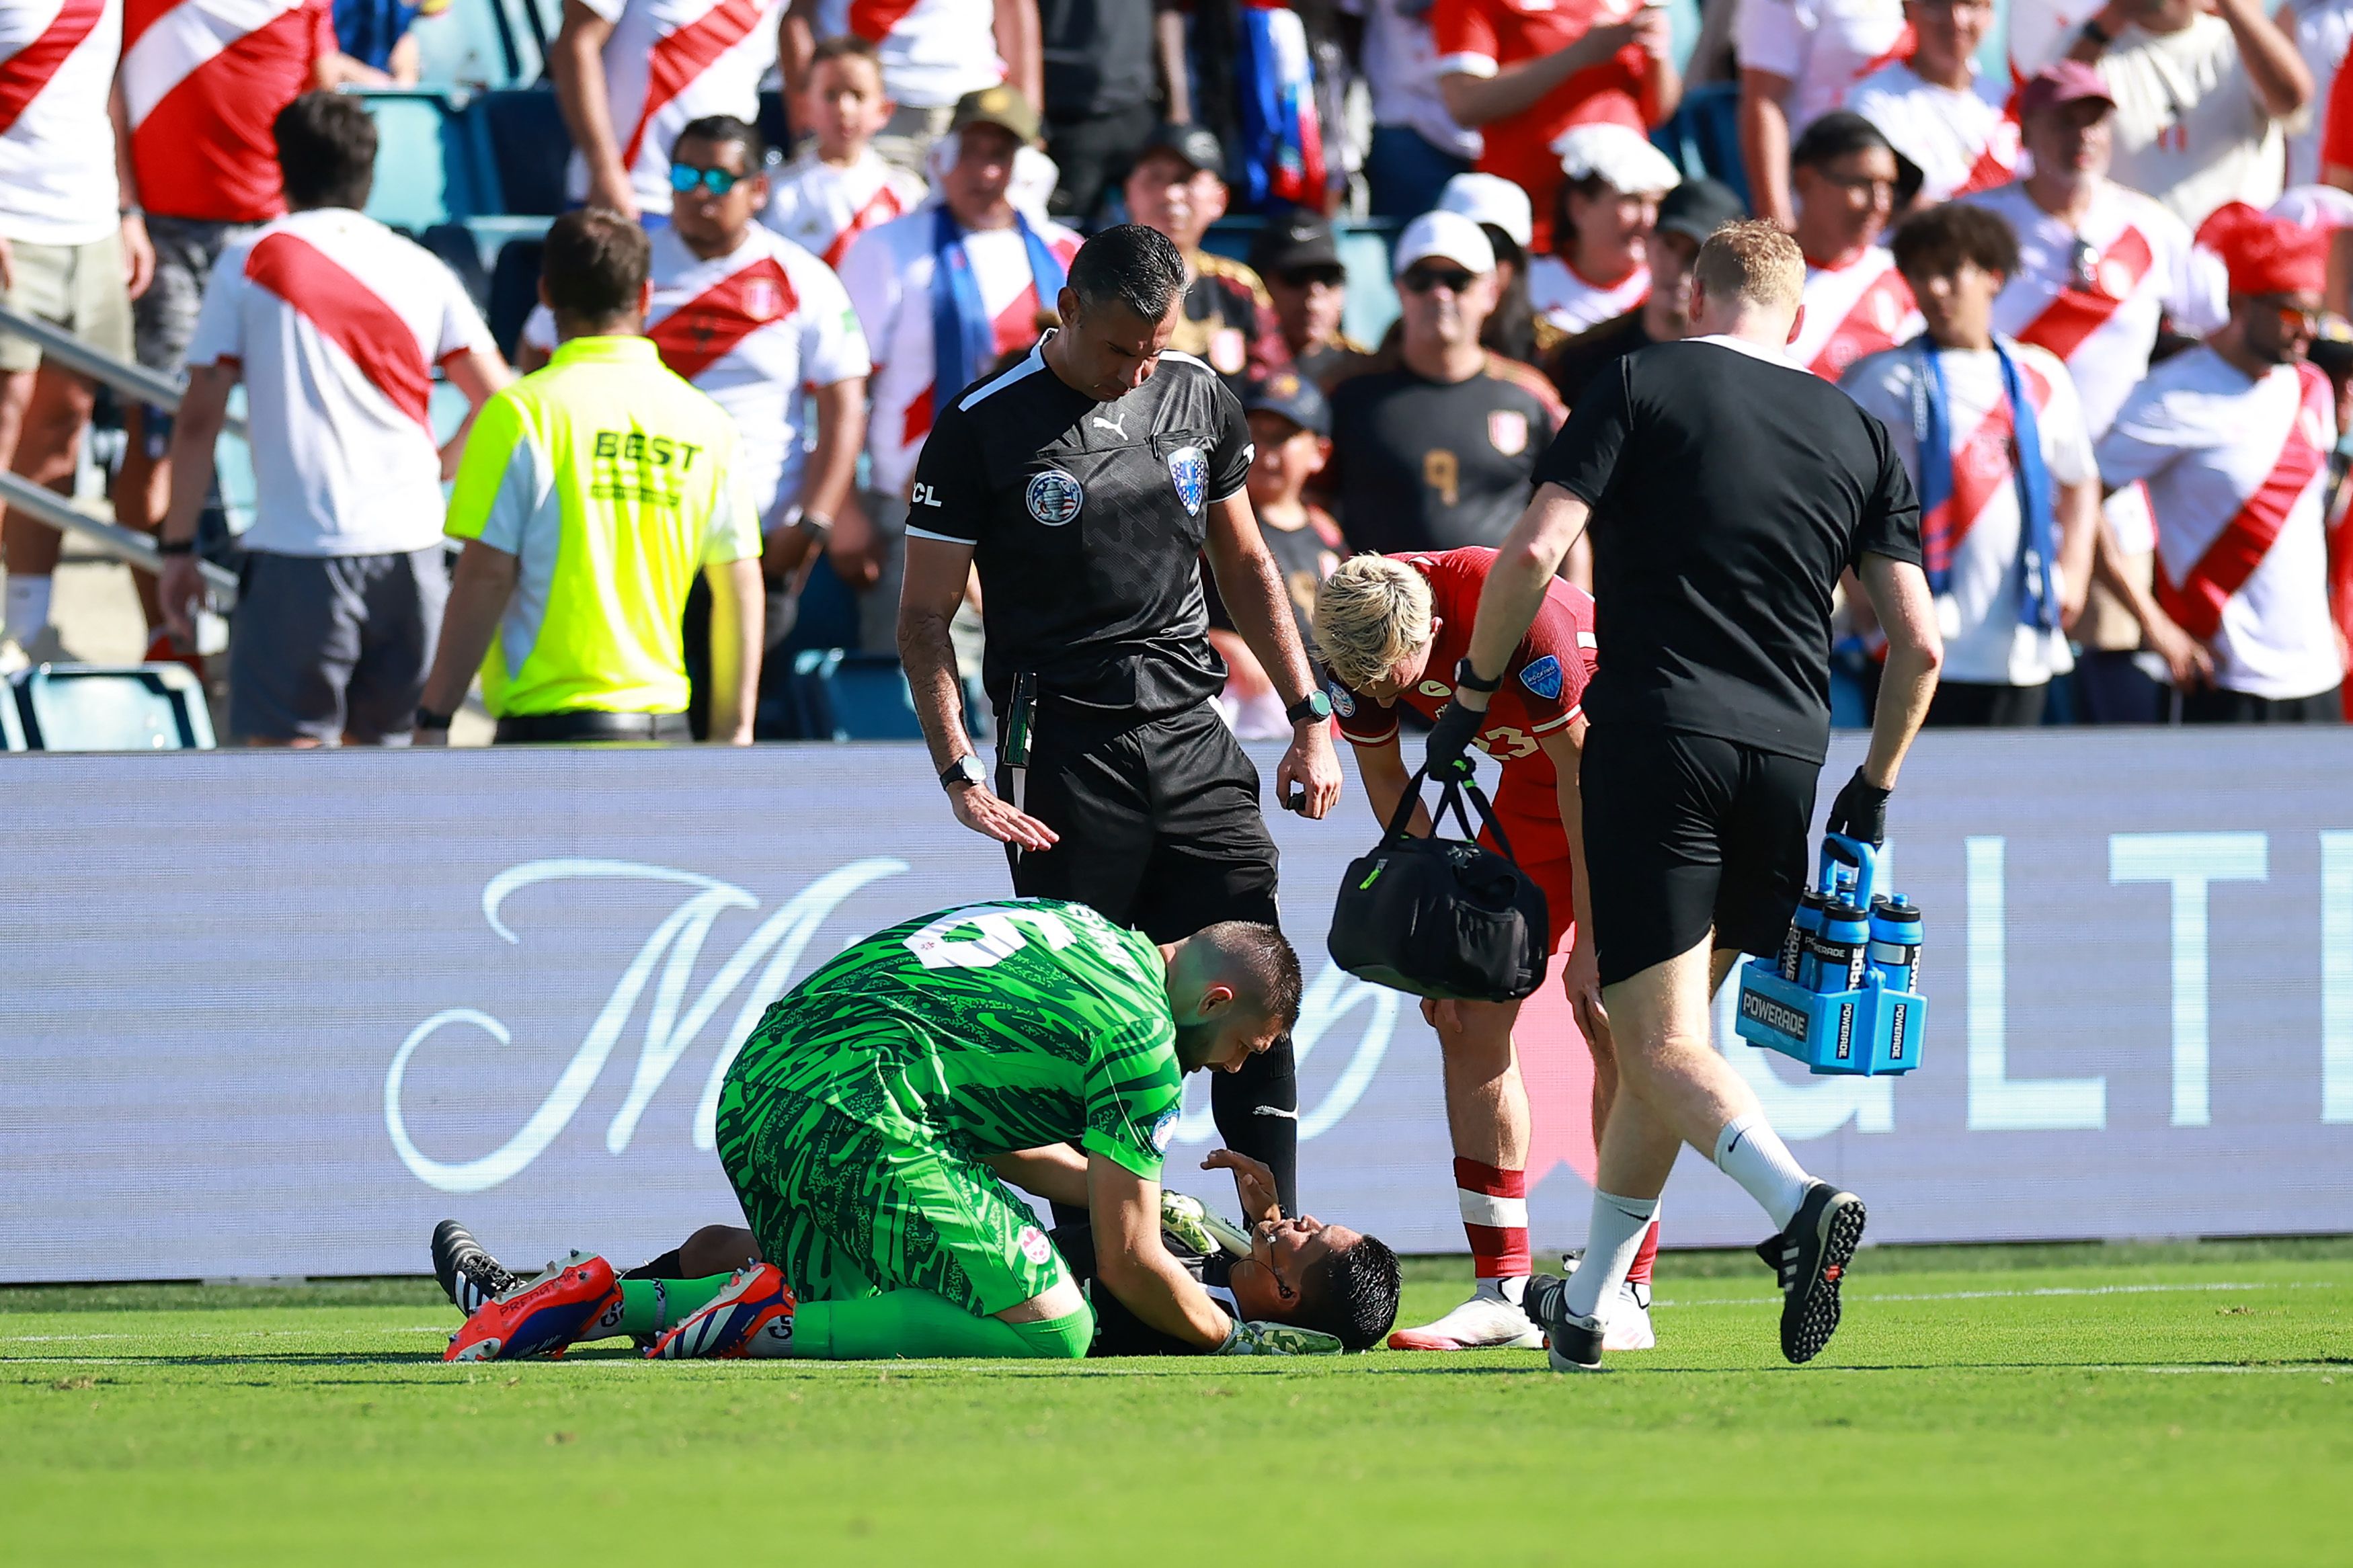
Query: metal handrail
{"points": [[132, 380], [111, 539]]}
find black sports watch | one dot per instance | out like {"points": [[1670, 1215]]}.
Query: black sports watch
{"points": [[1314, 705], [427, 719], [968, 769], [1467, 678]]}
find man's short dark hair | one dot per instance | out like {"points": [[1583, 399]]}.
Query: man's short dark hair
{"points": [[1834, 136], [594, 266], [1352, 1293], [721, 129], [1140, 268], [1262, 955], [846, 46], [326, 151], [1933, 244]]}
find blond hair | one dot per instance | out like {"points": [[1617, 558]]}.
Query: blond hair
{"points": [[1751, 260], [1370, 614]]}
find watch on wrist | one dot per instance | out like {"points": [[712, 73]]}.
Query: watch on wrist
{"points": [[176, 547], [1468, 678], [968, 769], [815, 525], [1314, 706], [427, 719]]}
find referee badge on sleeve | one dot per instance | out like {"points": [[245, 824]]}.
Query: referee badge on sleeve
{"points": [[1054, 497], [1190, 470]]}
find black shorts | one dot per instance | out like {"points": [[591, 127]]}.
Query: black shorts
{"points": [[1685, 833], [1159, 824]]}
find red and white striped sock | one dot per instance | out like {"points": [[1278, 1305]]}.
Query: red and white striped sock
{"points": [[1641, 1273], [1494, 1206]]}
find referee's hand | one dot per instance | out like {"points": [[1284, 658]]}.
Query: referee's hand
{"points": [[1310, 764], [979, 808]]}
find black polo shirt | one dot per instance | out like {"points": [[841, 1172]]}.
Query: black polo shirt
{"points": [[1429, 465], [1729, 490], [1086, 521], [1119, 1332]]}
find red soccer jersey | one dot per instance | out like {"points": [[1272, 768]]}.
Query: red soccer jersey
{"points": [[202, 80], [1543, 689]]}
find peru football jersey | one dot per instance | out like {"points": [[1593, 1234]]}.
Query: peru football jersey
{"points": [[823, 209], [58, 184], [1852, 311], [1822, 47], [202, 80], [1985, 640], [2234, 471], [671, 61], [932, 51], [1544, 684], [749, 330], [888, 273], [2092, 295], [335, 323], [1566, 298], [1961, 141]]}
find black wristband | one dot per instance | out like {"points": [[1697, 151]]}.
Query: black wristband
{"points": [[427, 719], [1466, 678], [176, 547]]}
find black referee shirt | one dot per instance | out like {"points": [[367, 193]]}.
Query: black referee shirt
{"points": [[1086, 521], [1427, 465], [1730, 489], [1119, 1332]]}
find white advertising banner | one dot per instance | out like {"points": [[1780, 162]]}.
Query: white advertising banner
{"points": [[265, 1014]]}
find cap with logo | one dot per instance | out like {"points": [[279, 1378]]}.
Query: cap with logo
{"points": [[1448, 236], [1698, 208], [1003, 105], [1295, 244], [1197, 145], [1621, 158], [1294, 397], [1492, 200]]}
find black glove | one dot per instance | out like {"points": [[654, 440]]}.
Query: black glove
{"points": [[1859, 811], [1449, 739]]}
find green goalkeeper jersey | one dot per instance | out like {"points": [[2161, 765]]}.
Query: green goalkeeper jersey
{"points": [[998, 1027]]}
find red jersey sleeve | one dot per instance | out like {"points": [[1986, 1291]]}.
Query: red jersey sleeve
{"points": [[1465, 37], [323, 41], [1364, 721], [1553, 664]]}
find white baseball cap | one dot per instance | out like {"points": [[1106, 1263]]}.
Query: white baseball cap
{"points": [[1624, 159], [1448, 236], [1492, 200]]}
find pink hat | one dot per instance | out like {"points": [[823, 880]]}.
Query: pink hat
{"points": [[2066, 82]]}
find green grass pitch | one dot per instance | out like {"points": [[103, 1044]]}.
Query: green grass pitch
{"points": [[2073, 1406]]}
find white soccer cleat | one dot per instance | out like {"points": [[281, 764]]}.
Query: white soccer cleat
{"points": [[1482, 1323], [1629, 1321]]}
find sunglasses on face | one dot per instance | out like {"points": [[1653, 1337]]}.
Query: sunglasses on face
{"points": [[2293, 317], [1423, 279], [685, 177], [1309, 277]]}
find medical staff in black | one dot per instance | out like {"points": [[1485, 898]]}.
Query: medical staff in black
{"points": [[1726, 491], [1084, 484]]}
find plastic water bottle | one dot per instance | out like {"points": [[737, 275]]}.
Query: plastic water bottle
{"points": [[1895, 940], [1841, 947], [1802, 927]]}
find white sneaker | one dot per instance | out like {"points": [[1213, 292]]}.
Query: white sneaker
{"points": [[1482, 1323], [1629, 1321], [46, 646]]}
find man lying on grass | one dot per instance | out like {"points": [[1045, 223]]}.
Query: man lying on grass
{"points": [[1297, 1272], [870, 1122]]}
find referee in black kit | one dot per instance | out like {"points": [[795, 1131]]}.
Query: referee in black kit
{"points": [[1085, 483], [1726, 489]]}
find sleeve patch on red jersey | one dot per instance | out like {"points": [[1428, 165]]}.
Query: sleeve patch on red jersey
{"points": [[1344, 701], [1543, 677]]}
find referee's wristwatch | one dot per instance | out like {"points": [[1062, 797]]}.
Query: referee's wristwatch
{"points": [[968, 769], [1314, 706]]}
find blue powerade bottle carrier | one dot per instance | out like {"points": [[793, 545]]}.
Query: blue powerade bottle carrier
{"points": [[1862, 1030]]}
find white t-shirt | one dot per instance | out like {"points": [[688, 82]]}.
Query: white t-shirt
{"points": [[1985, 640], [888, 273], [1853, 310], [2324, 32], [671, 61], [821, 208], [1961, 141], [1823, 47], [336, 323], [1566, 298], [932, 51], [1400, 63], [749, 329], [2092, 295], [2223, 455], [2041, 31], [2190, 129], [56, 140]]}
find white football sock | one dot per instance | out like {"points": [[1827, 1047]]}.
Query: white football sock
{"points": [[1611, 1240], [1752, 1153], [28, 605]]}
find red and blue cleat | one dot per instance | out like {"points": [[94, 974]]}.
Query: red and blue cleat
{"points": [[752, 1316], [542, 1317]]}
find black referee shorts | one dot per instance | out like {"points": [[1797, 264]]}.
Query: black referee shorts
{"points": [[1159, 824], [1685, 833]]}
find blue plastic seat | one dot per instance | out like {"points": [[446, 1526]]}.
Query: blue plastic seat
{"points": [[428, 164], [530, 148]]}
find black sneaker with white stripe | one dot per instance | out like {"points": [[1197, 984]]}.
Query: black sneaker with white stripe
{"points": [[1811, 1258], [470, 1275], [1571, 1343]]}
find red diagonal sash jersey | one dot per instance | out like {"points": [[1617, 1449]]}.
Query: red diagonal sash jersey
{"points": [[202, 80], [824, 209], [667, 62], [2234, 471], [57, 144], [1851, 310]]}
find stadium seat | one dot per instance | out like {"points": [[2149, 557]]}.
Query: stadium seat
{"points": [[514, 289], [454, 243], [1703, 136], [530, 148], [430, 164], [486, 43], [103, 708]]}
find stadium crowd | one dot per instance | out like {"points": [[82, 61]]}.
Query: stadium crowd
{"points": [[2098, 299]]}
